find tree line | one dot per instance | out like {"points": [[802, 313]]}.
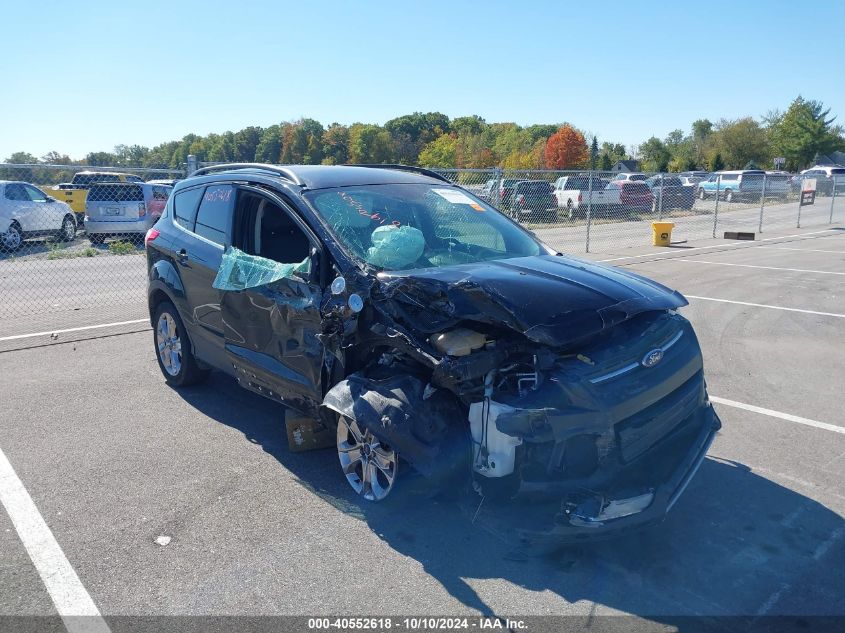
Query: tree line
{"points": [[799, 135]]}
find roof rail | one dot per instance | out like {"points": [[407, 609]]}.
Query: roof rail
{"points": [[287, 174], [418, 170]]}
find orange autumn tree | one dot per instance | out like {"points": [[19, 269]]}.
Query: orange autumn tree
{"points": [[566, 149]]}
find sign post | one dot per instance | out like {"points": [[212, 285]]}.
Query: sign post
{"points": [[808, 195]]}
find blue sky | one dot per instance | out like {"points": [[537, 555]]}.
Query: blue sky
{"points": [[85, 76]]}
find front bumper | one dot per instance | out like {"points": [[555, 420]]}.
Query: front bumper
{"points": [[643, 504]]}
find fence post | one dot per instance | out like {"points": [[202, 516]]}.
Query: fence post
{"points": [[832, 199], [800, 200], [762, 204], [716, 210], [589, 209], [660, 200], [497, 201], [192, 164]]}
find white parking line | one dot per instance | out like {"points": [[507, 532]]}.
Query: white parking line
{"points": [[65, 589], [72, 329], [740, 245], [802, 250], [777, 414], [792, 270], [763, 305]]}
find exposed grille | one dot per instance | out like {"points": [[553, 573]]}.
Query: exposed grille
{"points": [[643, 430]]}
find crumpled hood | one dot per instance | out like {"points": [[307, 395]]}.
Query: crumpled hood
{"points": [[553, 300]]}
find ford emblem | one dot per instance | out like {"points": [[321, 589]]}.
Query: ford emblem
{"points": [[652, 358]]}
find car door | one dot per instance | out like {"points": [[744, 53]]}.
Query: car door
{"points": [[206, 213], [46, 216], [272, 331]]}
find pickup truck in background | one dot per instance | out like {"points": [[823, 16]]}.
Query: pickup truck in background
{"points": [[573, 194], [75, 192]]}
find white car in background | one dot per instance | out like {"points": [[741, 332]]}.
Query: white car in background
{"points": [[27, 212]]}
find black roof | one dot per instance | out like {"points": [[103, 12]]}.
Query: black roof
{"points": [[326, 176]]}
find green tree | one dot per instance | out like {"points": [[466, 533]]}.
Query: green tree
{"points": [[369, 144], [441, 152], [336, 144], [655, 155], [270, 146], [468, 125], [21, 158], [804, 130], [740, 141], [245, 144], [100, 159], [594, 152], [716, 163]]}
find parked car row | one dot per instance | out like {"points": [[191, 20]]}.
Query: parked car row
{"points": [[744, 185], [826, 178], [119, 205]]}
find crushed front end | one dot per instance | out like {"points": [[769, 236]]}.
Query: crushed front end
{"points": [[614, 432], [573, 394]]}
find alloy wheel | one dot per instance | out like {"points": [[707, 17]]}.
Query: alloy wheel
{"points": [[12, 239], [369, 465], [169, 344]]}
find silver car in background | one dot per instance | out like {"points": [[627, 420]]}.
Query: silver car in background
{"points": [[126, 210]]}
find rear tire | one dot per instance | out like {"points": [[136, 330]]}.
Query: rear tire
{"points": [[729, 196], [701, 194], [12, 239], [96, 238], [173, 348]]}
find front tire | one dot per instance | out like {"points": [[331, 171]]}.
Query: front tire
{"points": [[701, 194], [729, 196], [173, 348], [68, 232], [369, 465], [95, 238]]}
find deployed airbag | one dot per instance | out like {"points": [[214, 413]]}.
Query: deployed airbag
{"points": [[395, 246], [239, 271]]}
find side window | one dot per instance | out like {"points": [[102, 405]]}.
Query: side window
{"points": [[214, 217], [264, 229], [16, 192], [185, 205], [35, 194]]}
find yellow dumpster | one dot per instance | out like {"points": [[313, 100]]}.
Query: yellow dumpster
{"points": [[662, 233]]}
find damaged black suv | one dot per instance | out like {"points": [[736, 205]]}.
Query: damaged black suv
{"points": [[422, 324]]}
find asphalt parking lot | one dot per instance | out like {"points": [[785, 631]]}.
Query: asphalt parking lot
{"points": [[189, 502]]}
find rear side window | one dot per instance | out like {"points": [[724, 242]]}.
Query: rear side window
{"points": [[636, 187], [16, 192], [185, 205], [837, 172], [116, 193], [214, 217], [730, 177]]}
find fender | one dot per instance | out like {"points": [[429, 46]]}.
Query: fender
{"points": [[164, 278], [424, 431]]}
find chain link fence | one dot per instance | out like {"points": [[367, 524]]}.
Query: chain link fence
{"points": [[595, 211], [71, 245], [71, 237]]}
